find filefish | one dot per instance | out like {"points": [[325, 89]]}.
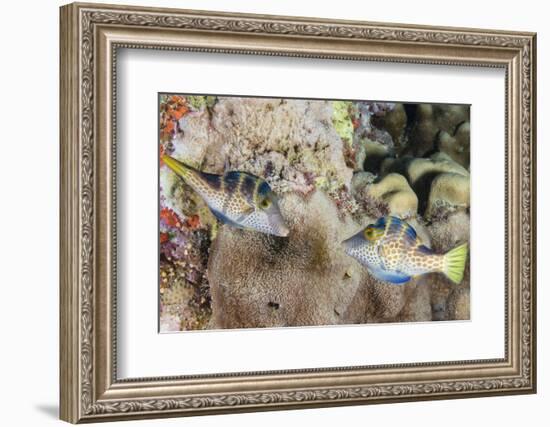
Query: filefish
{"points": [[392, 252], [236, 198]]}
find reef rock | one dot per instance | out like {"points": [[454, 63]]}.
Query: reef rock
{"points": [[310, 280], [368, 114], [294, 145], [386, 300], [417, 307], [448, 191], [360, 180], [459, 304], [448, 232], [393, 121], [457, 146], [395, 191], [430, 120], [421, 172], [375, 153], [367, 205], [437, 163], [372, 143], [176, 310]]}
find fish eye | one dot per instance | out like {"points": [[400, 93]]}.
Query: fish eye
{"points": [[265, 203], [369, 232]]}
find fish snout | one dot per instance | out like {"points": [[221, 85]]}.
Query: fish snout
{"points": [[276, 222], [353, 242], [283, 230], [278, 226]]}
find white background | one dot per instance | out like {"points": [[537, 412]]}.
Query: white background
{"points": [[141, 347], [29, 173]]}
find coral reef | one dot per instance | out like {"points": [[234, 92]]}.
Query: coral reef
{"points": [[421, 173], [448, 191], [336, 166], [429, 121], [291, 143], [395, 191], [394, 121], [310, 281], [184, 290], [457, 146]]}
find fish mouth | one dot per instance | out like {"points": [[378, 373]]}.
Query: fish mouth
{"points": [[280, 229], [283, 231], [278, 225]]}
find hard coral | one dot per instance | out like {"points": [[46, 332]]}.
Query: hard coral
{"points": [[306, 279]]}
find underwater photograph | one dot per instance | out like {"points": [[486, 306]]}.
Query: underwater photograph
{"points": [[286, 212]]}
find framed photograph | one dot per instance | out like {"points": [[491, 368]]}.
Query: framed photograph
{"points": [[267, 212]]}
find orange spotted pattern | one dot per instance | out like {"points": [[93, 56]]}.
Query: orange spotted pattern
{"points": [[398, 252]]}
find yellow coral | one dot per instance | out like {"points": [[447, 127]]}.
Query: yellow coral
{"points": [[201, 102], [341, 120]]}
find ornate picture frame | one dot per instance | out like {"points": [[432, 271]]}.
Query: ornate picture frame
{"points": [[90, 37]]}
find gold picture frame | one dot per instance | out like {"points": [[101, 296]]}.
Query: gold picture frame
{"points": [[90, 36]]}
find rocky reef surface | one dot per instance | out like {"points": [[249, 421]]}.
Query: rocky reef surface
{"points": [[336, 166]]}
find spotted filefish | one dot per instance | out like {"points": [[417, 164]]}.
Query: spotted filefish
{"points": [[236, 198], [392, 252]]}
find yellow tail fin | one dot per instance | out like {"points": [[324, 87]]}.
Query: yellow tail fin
{"points": [[455, 260]]}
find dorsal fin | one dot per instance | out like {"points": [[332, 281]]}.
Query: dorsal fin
{"points": [[232, 175], [410, 232], [224, 219], [238, 173], [397, 224]]}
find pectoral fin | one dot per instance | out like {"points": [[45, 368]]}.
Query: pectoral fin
{"points": [[224, 219], [247, 211]]}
